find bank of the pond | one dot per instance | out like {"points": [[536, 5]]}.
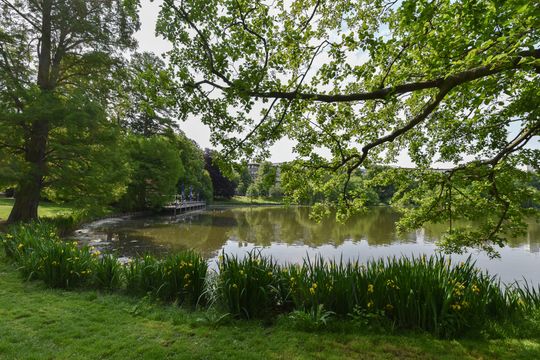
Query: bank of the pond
{"points": [[42, 323], [425, 293], [289, 235]]}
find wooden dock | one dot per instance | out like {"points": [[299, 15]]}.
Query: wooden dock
{"points": [[183, 206]]}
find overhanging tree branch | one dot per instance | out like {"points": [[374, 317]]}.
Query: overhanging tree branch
{"points": [[459, 78]]}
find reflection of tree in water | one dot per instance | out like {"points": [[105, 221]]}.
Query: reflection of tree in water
{"points": [[532, 237], [264, 225], [203, 232], [434, 232], [207, 232]]}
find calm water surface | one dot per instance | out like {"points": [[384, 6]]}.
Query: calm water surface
{"points": [[289, 235]]}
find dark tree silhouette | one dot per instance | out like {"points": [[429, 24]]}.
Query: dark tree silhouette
{"points": [[223, 186]]}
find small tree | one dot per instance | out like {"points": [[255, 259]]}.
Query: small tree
{"points": [[156, 168], [252, 190]]}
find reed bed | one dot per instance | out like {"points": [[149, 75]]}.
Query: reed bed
{"points": [[177, 278], [429, 293]]}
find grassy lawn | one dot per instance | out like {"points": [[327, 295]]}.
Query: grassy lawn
{"points": [[39, 323], [246, 200], [45, 209]]}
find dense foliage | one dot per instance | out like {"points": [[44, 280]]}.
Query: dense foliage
{"points": [[145, 101], [80, 123], [195, 176], [156, 168], [367, 83]]}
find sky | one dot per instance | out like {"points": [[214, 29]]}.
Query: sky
{"points": [[282, 151]]}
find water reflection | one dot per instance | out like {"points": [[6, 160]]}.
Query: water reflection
{"points": [[289, 235]]}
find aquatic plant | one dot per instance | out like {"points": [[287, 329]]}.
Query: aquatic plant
{"points": [[250, 287], [180, 277], [429, 293], [139, 274], [106, 272], [41, 254], [183, 278]]}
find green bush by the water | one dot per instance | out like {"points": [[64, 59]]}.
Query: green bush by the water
{"points": [[428, 293]]}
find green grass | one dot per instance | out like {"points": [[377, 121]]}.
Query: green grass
{"points": [[46, 209], [246, 200], [40, 323]]}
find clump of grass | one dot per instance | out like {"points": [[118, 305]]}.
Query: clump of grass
{"points": [[139, 275], [314, 319], [20, 239], [180, 277], [62, 264], [528, 296], [107, 272], [250, 287], [183, 278], [333, 285]]}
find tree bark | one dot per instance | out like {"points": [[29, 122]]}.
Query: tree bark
{"points": [[28, 194]]}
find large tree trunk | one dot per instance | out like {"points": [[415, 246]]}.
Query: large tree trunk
{"points": [[26, 203], [29, 189]]}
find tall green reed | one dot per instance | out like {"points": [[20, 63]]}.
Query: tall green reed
{"points": [[106, 272], [41, 254], [180, 277], [252, 286], [418, 292]]}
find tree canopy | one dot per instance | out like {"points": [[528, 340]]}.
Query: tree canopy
{"points": [[156, 167], [146, 103], [361, 83]]}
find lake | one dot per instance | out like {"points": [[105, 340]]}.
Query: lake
{"points": [[288, 235]]}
